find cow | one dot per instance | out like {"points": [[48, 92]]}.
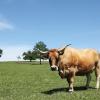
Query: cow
{"points": [[71, 62]]}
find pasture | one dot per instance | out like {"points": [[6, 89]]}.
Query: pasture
{"points": [[31, 81]]}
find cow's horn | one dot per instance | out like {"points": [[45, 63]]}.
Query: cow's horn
{"points": [[60, 49], [68, 45], [42, 52]]}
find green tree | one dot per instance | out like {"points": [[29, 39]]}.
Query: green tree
{"points": [[18, 58], [1, 51], [39, 46], [29, 55]]}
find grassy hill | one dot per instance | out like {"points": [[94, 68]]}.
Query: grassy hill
{"points": [[31, 81]]}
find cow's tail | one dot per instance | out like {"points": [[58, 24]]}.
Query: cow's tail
{"points": [[97, 72], [99, 56], [98, 64]]}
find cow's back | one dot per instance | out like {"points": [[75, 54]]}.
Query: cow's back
{"points": [[84, 59]]}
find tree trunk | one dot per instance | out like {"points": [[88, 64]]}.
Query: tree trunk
{"points": [[40, 59]]}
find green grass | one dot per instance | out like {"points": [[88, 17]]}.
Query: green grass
{"points": [[20, 81]]}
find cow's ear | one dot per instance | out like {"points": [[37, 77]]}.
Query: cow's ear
{"points": [[61, 52]]}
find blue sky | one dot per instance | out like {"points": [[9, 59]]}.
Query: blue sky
{"points": [[55, 22]]}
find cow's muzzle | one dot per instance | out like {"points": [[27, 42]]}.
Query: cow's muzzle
{"points": [[54, 68]]}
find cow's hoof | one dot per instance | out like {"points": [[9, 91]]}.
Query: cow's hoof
{"points": [[96, 88], [70, 90]]}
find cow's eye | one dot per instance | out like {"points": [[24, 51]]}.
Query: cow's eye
{"points": [[50, 60]]}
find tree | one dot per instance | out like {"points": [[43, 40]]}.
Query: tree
{"points": [[18, 58], [39, 46], [29, 55], [1, 51]]}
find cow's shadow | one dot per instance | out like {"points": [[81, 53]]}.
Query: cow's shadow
{"points": [[52, 91]]}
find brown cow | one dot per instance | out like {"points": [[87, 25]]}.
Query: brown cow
{"points": [[71, 62]]}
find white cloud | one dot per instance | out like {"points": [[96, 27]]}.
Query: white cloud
{"points": [[5, 26], [11, 53]]}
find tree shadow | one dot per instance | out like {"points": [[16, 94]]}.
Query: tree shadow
{"points": [[56, 90]]}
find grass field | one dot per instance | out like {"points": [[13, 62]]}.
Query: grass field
{"points": [[20, 81]]}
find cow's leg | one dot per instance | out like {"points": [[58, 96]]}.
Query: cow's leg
{"points": [[70, 82], [97, 73], [70, 77], [88, 76], [97, 83]]}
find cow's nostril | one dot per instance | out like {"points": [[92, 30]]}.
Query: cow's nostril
{"points": [[53, 69]]}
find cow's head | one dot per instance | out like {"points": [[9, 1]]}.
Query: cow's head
{"points": [[53, 56]]}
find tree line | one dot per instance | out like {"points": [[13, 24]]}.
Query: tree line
{"points": [[34, 54], [1, 51]]}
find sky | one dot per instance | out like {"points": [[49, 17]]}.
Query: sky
{"points": [[55, 22]]}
